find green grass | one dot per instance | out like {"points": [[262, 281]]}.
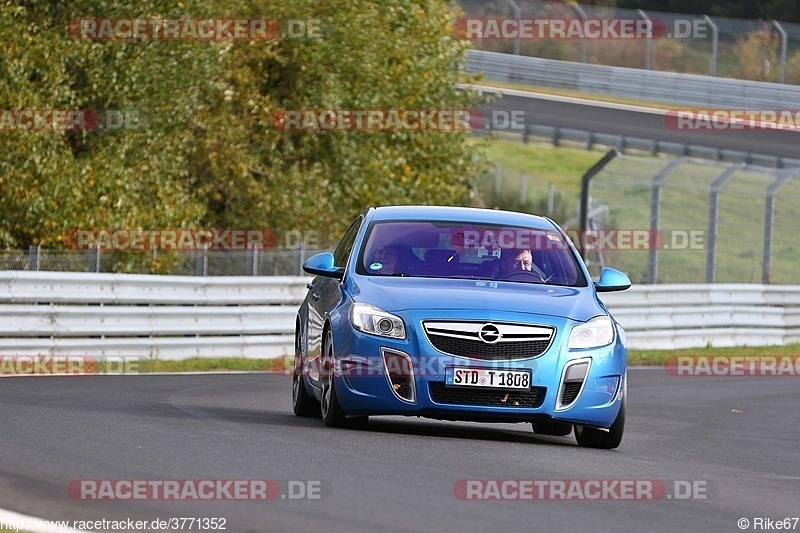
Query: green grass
{"points": [[562, 166], [657, 357], [284, 364], [202, 364]]}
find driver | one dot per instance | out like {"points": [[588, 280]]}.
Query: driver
{"points": [[515, 260], [385, 260]]}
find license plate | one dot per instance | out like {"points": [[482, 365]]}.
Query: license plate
{"points": [[483, 377]]}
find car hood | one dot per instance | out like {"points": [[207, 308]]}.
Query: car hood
{"points": [[404, 293]]}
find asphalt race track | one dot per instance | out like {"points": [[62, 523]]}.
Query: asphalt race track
{"points": [[736, 435], [601, 119]]}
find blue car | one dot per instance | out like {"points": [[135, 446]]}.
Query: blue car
{"points": [[461, 314]]}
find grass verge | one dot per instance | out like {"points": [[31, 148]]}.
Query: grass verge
{"points": [[284, 364]]}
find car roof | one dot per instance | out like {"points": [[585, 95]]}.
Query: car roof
{"points": [[461, 214]]}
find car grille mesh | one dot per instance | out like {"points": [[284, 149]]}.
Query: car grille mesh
{"points": [[402, 387], [569, 392], [477, 349], [531, 399]]}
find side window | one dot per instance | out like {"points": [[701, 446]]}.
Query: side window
{"points": [[342, 253]]}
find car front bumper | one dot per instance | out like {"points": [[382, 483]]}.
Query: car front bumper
{"points": [[366, 365]]}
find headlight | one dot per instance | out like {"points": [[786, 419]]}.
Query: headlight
{"points": [[376, 321], [597, 332]]}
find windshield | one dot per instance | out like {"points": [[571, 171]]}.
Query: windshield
{"points": [[470, 251]]}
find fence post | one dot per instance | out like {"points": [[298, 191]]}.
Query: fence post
{"points": [[299, 253], [201, 262], [713, 219], [655, 215], [584, 42], [714, 45], [648, 62], [34, 261], [784, 43], [518, 16], [586, 181], [91, 259], [769, 220], [255, 259]]}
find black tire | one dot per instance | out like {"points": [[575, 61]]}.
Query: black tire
{"points": [[332, 413], [605, 440], [552, 427], [302, 402]]}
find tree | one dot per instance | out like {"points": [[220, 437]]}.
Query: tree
{"points": [[209, 155]]}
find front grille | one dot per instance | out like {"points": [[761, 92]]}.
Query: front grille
{"points": [[489, 352], [530, 399], [514, 341], [569, 392]]}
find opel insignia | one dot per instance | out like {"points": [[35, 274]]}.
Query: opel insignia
{"points": [[461, 314]]}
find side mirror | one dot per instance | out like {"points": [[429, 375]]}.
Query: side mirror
{"points": [[322, 265], [612, 280]]}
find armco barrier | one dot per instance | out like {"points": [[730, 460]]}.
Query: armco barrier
{"points": [[174, 317], [688, 316], [670, 87], [169, 317]]}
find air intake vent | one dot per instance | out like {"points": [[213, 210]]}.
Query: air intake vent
{"points": [[574, 376], [569, 392], [530, 399], [400, 372]]}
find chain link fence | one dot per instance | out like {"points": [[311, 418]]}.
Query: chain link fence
{"points": [[255, 262], [706, 222], [694, 44], [698, 221]]}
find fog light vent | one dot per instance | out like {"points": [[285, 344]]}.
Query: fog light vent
{"points": [[400, 372], [574, 376]]}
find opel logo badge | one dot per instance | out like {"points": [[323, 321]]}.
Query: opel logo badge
{"points": [[490, 334]]}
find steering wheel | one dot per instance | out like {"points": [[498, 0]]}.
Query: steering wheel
{"points": [[523, 275]]}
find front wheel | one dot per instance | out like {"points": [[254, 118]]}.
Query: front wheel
{"points": [[597, 438]]}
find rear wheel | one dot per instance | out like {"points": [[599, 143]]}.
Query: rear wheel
{"points": [[302, 402], [598, 438], [332, 413]]}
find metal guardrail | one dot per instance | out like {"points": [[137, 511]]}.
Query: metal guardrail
{"points": [[172, 317], [626, 143], [670, 87], [692, 316], [168, 317]]}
